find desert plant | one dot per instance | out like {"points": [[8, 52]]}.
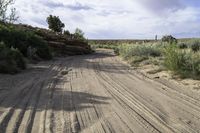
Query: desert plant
{"points": [[182, 45], [135, 60], [195, 46], [142, 50], [66, 32], [173, 58], [169, 38], [42, 49], [116, 51], [182, 62], [79, 34], [11, 60], [135, 54], [18, 57], [21, 40]]}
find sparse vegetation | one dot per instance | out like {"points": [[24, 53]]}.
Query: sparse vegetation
{"points": [[183, 58], [95, 46], [186, 63], [135, 54], [11, 60]]}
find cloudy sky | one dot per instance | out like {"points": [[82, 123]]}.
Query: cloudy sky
{"points": [[115, 19]]}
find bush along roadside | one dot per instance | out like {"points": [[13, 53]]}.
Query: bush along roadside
{"points": [[18, 44], [182, 59], [135, 54], [11, 60], [36, 44], [22, 40], [185, 63]]}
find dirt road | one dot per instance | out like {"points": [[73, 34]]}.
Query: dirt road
{"points": [[94, 93]]}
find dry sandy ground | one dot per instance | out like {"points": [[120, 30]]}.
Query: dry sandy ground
{"points": [[94, 93]]}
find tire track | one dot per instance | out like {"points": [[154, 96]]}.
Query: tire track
{"points": [[25, 95], [98, 93], [194, 115], [118, 98]]}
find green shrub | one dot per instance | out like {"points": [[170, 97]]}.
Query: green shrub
{"points": [[16, 55], [116, 51], [183, 62], [134, 61], [42, 49], [169, 38], [173, 58], [182, 45], [79, 34], [11, 60], [195, 46], [105, 46], [21, 40], [14, 38], [139, 50]]}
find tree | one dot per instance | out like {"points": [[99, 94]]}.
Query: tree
{"points": [[55, 23], [79, 34], [169, 39], [66, 32], [12, 17]]}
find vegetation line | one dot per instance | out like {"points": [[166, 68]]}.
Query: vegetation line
{"points": [[182, 57]]}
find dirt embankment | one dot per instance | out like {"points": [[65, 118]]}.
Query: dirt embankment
{"points": [[60, 44], [94, 93]]}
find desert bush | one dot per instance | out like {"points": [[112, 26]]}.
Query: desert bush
{"points": [[79, 34], [135, 60], [169, 38], [139, 50], [42, 49], [21, 40], [195, 46], [105, 46], [67, 32], [135, 54], [183, 62], [116, 51], [182, 45], [11, 60], [173, 58]]}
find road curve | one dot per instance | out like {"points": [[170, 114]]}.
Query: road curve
{"points": [[94, 93]]}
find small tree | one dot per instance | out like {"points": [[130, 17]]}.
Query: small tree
{"points": [[66, 32], [55, 23], [12, 17], [169, 38], [79, 34]]}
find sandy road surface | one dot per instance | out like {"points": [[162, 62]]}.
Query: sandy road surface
{"points": [[93, 93]]}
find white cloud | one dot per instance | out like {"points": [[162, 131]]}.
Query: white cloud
{"points": [[115, 19]]}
